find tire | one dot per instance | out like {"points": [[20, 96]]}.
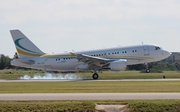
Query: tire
{"points": [[95, 76], [147, 71]]}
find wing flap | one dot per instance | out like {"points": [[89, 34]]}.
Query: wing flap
{"points": [[93, 62], [87, 58]]}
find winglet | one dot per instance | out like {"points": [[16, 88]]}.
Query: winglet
{"points": [[72, 54]]}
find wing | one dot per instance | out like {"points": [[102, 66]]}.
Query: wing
{"points": [[93, 62]]}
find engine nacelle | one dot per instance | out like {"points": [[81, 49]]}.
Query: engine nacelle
{"points": [[82, 67], [118, 65]]}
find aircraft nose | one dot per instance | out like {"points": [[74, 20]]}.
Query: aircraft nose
{"points": [[166, 54]]}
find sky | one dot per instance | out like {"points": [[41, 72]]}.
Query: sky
{"points": [[58, 26]]}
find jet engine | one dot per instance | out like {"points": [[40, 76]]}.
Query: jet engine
{"points": [[118, 65], [82, 67]]}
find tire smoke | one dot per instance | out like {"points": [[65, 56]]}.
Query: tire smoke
{"points": [[51, 76]]}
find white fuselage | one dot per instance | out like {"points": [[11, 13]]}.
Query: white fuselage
{"points": [[66, 62]]}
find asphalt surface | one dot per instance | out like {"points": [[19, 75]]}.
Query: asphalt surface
{"points": [[55, 80], [89, 96]]}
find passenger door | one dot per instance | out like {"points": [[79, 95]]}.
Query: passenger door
{"points": [[146, 50], [47, 64]]}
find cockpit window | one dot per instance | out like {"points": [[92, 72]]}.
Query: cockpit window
{"points": [[157, 48]]}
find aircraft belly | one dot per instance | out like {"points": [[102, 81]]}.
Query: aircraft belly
{"points": [[68, 66], [132, 62]]}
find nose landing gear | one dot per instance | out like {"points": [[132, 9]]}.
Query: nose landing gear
{"points": [[147, 69]]}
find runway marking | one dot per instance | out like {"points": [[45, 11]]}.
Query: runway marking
{"points": [[89, 96]]}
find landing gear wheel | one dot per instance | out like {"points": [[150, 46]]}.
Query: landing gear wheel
{"points": [[95, 76], [147, 68], [147, 71]]}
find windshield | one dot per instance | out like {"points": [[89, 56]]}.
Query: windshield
{"points": [[157, 48]]}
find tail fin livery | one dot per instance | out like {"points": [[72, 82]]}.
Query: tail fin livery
{"points": [[24, 46]]}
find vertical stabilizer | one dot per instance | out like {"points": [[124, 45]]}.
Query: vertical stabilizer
{"points": [[24, 46]]}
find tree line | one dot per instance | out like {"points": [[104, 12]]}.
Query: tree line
{"points": [[161, 65], [5, 61]]}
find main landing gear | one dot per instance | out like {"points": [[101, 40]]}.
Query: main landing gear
{"points": [[95, 76]]}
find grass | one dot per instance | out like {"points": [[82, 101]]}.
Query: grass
{"points": [[89, 86], [86, 86], [12, 74], [46, 106], [155, 106], [135, 75], [88, 106]]}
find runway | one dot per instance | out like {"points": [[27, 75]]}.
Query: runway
{"points": [[55, 80], [89, 96]]}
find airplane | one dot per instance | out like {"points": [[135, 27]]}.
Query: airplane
{"points": [[114, 59]]}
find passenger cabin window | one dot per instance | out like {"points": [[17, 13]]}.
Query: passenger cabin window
{"points": [[157, 48]]}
